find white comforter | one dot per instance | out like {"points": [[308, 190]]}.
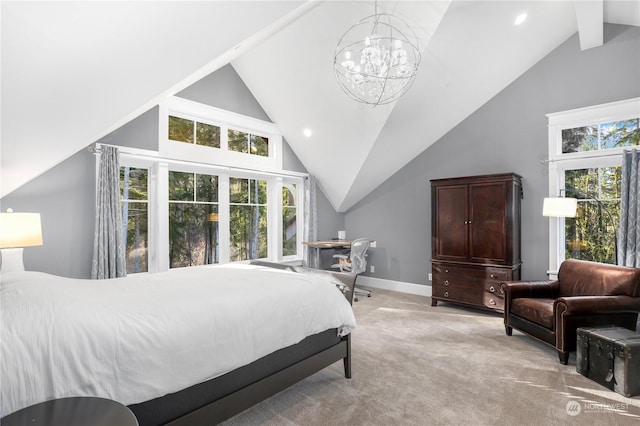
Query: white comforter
{"points": [[137, 338]]}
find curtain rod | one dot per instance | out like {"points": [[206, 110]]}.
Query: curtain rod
{"points": [[154, 155], [585, 157]]}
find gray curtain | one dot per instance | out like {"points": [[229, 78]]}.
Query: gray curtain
{"points": [[629, 233], [108, 243], [310, 232]]}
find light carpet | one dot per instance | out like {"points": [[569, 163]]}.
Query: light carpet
{"points": [[414, 364]]}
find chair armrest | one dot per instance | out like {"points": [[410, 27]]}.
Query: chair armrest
{"points": [[517, 289], [576, 305], [341, 256]]}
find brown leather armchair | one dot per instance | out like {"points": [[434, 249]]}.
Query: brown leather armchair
{"points": [[586, 294]]}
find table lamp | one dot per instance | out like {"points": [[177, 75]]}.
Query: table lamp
{"points": [[17, 230], [559, 207]]}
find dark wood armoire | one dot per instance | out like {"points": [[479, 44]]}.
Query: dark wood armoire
{"points": [[475, 238]]}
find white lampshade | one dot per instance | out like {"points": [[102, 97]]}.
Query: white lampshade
{"points": [[559, 207], [20, 230]]}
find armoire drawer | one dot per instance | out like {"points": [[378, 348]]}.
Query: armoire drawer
{"points": [[493, 301], [484, 273], [457, 281], [471, 284], [472, 297], [493, 287]]}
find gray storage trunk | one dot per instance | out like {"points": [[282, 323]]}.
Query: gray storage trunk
{"points": [[611, 357]]}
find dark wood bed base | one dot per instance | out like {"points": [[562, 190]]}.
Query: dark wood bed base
{"points": [[221, 398]]}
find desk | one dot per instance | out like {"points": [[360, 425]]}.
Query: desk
{"points": [[74, 411], [327, 244]]}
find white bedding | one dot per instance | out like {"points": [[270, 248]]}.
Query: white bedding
{"points": [[137, 338]]}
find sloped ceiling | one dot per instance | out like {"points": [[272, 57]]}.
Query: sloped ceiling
{"points": [[74, 71]]}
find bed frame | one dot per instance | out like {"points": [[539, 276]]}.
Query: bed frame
{"points": [[216, 400]]}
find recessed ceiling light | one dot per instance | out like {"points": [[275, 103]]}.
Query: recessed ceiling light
{"points": [[307, 132], [520, 18]]}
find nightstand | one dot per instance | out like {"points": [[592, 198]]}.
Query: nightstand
{"points": [[75, 411]]}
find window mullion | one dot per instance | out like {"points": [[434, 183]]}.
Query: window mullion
{"points": [[224, 233], [274, 219], [159, 218], [224, 138]]}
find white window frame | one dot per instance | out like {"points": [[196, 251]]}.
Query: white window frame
{"points": [[225, 120], [559, 162], [299, 195], [180, 156]]}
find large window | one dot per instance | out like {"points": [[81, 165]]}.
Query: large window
{"points": [[134, 196], [585, 148], [591, 235], [218, 192], [193, 219], [248, 218], [289, 219]]}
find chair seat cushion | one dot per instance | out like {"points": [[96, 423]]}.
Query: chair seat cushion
{"points": [[539, 311]]}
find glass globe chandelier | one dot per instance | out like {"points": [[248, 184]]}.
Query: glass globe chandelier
{"points": [[376, 60]]}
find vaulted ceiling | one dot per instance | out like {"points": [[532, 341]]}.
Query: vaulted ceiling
{"points": [[74, 71]]}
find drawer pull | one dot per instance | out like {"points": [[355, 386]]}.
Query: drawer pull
{"points": [[446, 282], [446, 270], [493, 276], [492, 302], [492, 289], [446, 294]]}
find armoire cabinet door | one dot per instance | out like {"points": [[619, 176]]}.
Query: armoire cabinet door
{"points": [[449, 230], [488, 222]]}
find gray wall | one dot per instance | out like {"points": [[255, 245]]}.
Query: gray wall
{"points": [[65, 195], [65, 198], [507, 134]]}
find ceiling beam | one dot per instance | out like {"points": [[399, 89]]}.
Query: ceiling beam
{"points": [[589, 15]]}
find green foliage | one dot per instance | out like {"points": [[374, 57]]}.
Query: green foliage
{"points": [[208, 135], [180, 129], [591, 235], [615, 134], [134, 186], [193, 218], [193, 223], [248, 143]]}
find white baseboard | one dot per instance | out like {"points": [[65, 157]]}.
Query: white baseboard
{"points": [[403, 287]]}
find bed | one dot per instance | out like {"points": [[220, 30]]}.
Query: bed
{"points": [[187, 346]]}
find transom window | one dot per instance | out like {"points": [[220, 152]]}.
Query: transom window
{"points": [[249, 144], [600, 136], [194, 132]]}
